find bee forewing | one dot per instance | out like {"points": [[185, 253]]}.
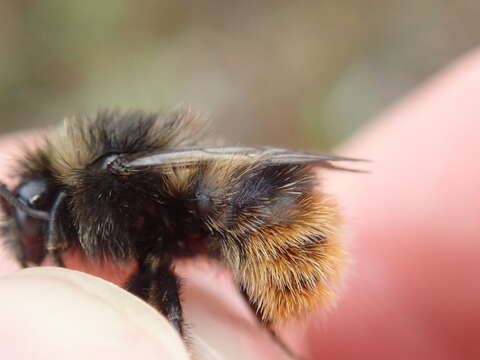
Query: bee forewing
{"points": [[269, 155]]}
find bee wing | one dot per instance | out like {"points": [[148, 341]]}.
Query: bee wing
{"points": [[268, 155]]}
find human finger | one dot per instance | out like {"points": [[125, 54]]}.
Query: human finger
{"points": [[53, 313]]}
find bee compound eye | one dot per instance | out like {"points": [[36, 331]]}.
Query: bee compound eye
{"points": [[37, 194]]}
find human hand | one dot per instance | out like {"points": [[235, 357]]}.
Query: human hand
{"points": [[411, 291]]}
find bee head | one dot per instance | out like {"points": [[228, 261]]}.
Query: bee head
{"points": [[28, 208]]}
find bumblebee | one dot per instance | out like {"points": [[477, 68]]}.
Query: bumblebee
{"points": [[144, 187]]}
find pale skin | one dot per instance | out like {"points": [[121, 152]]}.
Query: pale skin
{"points": [[412, 290]]}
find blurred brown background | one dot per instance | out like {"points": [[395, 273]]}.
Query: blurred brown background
{"points": [[296, 73]]}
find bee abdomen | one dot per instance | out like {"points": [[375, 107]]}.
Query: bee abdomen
{"points": [[293, 267]]}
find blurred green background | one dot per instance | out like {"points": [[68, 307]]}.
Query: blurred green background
{"points": [[291, 73]]}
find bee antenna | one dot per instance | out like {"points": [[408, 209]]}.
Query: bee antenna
{"points": [[13, 201], [55, 237]]}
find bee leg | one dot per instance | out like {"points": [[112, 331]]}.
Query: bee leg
{"points": [[10, 235], [26, 255], [57, 258], [20, 256], [273, 335], [18, 249], [158, 285], [15, 244], [282, 344]]}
